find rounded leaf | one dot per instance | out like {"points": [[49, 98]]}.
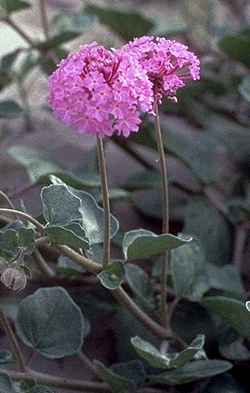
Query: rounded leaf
{"points": [[232, 311], [140, 243], [112, 276], [51, 323]]}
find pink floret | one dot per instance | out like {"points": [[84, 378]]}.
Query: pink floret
{"points": [[168, 64], [100, 92]]}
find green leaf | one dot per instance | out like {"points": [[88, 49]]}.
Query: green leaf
{"points": [[10, 109], [6, 385], [226, 278], [35, 163], [244, 88], [140, 243], [10, 6], [194, 350], [150, 353], [95, 252], [157, 359], [118, 383], [233, 312], [190, 319], [140, 285], [71, 235], [57, 40], [60, 206], [193, 371], [87, 180], [63, 205], [51, 323], [112, 275], [12, 239], [237, 47], [188, 267], [93, 218], [26, 237], [8, 243], [128, 24], [8, 60], [212, 229]]}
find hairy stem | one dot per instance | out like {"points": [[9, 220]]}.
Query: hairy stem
{"points": [[105, 198], [165, 217], [15, 348], [44, 17]]}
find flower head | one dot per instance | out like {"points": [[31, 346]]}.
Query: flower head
{"points": [[100, 92], [14, 278], [168, 64]]}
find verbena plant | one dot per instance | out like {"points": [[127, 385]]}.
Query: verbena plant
{"points": [[177, 297]]}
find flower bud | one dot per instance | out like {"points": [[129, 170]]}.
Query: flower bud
{"points": [[14, 279]]}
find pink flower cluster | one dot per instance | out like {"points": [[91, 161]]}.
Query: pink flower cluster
{"points": [[100, 92], [168, 64], [103, 92]]}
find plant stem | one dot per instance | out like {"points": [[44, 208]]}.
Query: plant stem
{"points": [[239, 243], [105, 199], [88, 264], [165, 217], [87, 363], [58, 382], [7, 199], [25, 216], [119, 293], [122, 297], [126, 301], [13, 341], [20, 31], [24, 98], [42, 264], [67, 383], [44, 17]]}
